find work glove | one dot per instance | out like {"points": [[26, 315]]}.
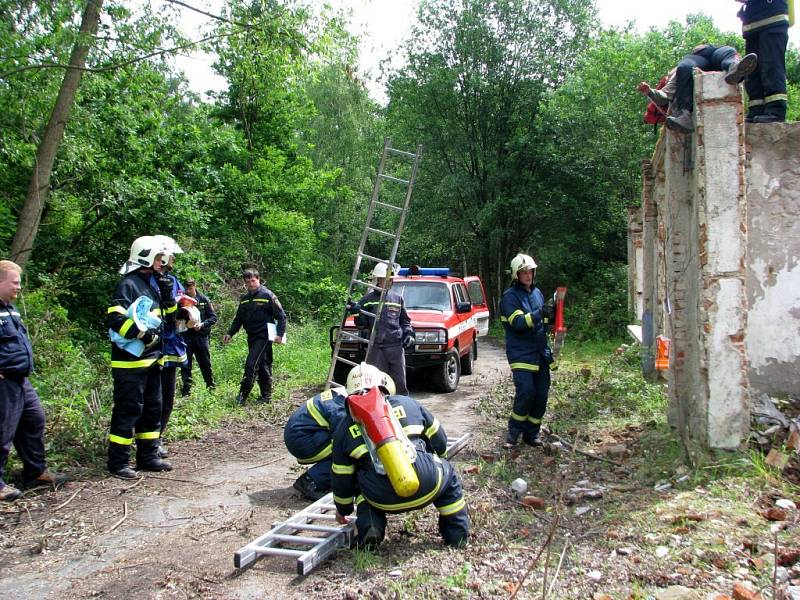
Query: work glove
{"points": [[165, 288], [353, 308], [409, 341], [548, 312], [149, 337]]}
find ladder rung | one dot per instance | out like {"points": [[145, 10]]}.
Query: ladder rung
{"points": [[297, 539], [401, 152], [397, 179], [348, 362], [371, 286], [392, 206], [382, 232], [311, 527], [320, 516], [279, 551], [373, 259]]}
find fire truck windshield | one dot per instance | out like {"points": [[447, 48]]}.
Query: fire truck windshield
{"points": [[423, 295]]}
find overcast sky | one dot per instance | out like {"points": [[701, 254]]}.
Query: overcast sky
{"points": [[383, 24]]}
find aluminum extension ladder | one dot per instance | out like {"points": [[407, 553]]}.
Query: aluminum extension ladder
{"points": [[377, 209], [312, 535]]}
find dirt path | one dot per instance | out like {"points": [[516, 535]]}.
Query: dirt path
{"points": [[174, 535]]}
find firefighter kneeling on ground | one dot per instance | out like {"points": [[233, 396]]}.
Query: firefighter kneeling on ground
{"points": [[359, 461], [308, 437]]}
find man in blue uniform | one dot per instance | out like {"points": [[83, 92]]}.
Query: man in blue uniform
{"points": [[308, 436], [765, 27], [257, 308], [394, 328], [197, 345], [21, 412], [356, 481], [525, 318], [135, 367]]}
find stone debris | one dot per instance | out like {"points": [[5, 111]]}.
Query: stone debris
{"points": [[677, 592], [785, 504]]}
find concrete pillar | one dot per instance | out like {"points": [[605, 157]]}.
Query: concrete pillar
{"points": [[635, 263], [721, 216]]}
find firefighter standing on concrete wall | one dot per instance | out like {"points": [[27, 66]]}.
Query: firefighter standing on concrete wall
{"points": [[525, 318], [765, 27], [394, 328]]}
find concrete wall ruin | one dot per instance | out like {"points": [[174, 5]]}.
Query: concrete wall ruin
{"points": [[719, 234]]}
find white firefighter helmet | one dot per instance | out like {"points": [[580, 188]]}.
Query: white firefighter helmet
{"points": [[521, 262], [381, 269], [170, 244], [143, 253], [364, 377]]}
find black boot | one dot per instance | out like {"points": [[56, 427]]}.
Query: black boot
{"points": [[147, 458], [118, 458]]}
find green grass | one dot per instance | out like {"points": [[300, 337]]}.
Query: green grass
{"points": [[76, 390]]}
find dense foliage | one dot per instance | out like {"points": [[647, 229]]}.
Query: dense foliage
{"points": [[526, 109]]}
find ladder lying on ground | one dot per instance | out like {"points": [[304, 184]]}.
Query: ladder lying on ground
{"points": [[377, 209], [312, 535]]}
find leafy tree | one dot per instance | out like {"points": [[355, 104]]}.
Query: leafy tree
{"points": [[475, 77]]}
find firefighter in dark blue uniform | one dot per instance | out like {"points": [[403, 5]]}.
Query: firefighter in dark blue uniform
{"points": [[173, 346], [308, 436], [765, 27], [355, 480], [258, 307], [137, 377], [197, 340], [21, 412], [525, 318], [394, 329]]}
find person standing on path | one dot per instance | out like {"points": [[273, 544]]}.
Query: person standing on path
{"points": [[197, 340]]}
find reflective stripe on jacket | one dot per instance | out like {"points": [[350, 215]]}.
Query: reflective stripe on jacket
{"points": [[354, 474], [255, 311], [394, 323], [763, 14], [131, 287]]}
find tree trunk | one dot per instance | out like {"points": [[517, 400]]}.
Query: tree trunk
{"points": [[39, 185]]}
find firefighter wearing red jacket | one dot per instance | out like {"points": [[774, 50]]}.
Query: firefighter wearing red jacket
{"points": [[357, 479]]}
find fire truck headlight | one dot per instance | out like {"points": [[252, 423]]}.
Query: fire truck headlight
{"points": [[438, 336]]}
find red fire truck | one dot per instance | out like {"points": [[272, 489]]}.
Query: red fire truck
{"points": [[448, 314]]}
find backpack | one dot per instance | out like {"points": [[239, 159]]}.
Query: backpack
{"points": [[654, 114]]}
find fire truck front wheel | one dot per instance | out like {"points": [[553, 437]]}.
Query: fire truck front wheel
{"points": [[447, 374], [468, 359]]}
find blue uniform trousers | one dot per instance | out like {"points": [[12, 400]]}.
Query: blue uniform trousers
{"points": [[258, 364], [392, 361], [303, 445], [454, 528], [530, 401], [21, 425], [769, 78]]}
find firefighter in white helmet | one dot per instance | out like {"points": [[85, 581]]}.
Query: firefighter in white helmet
{"points": [[525, 318], [394, 333], [362, 474], [136, 415]]}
